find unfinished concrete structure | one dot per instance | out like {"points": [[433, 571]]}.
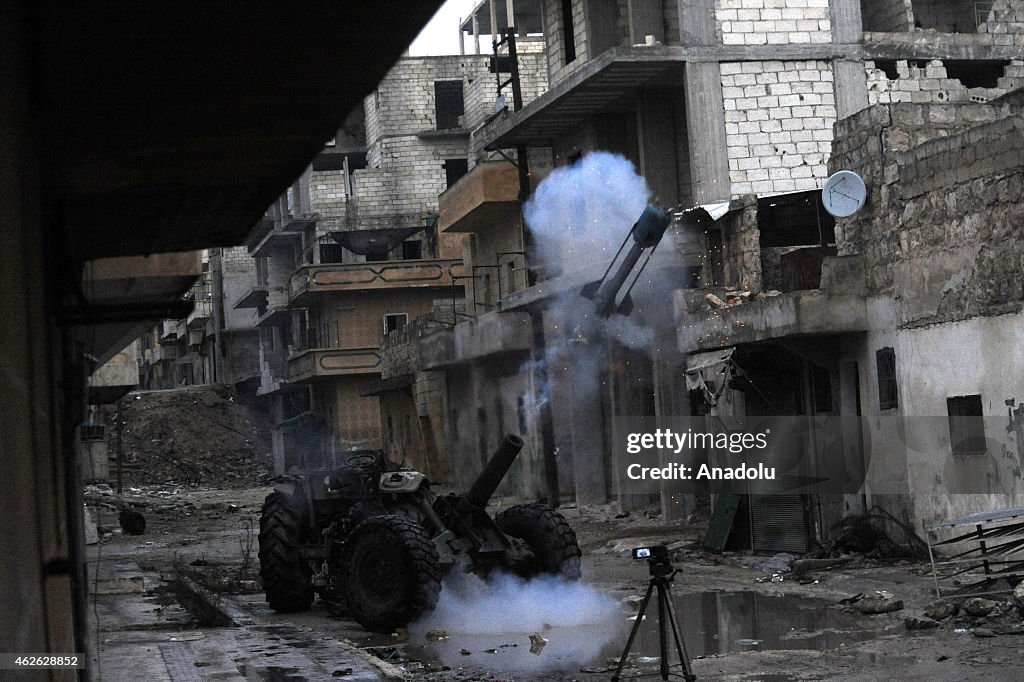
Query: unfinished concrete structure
{"points": [[712, 100], [352, 253]]}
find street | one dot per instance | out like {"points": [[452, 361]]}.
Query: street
{"points": [[742, 617]]}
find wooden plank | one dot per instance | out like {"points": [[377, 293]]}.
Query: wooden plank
{"points": [[721, 521]]}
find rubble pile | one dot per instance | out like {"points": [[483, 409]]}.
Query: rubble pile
{"points": [[193, 435]]}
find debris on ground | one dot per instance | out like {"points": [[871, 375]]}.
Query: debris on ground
{"points": [[537, 643], [879, 602], [941, 610], [876, 534], [191, 435], [979, 606], [915, 623]]}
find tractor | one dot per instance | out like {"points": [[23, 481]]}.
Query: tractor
{"points": [[374, 541]]}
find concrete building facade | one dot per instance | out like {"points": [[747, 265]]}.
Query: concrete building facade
{"points": [[740, 101], [352, 255]]}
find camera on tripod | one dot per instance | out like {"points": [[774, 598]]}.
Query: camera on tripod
{"points": [[658, 559], [660, 564]]}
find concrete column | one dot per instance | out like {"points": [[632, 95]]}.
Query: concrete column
{"points": [[697, 22], [42, 559], [588, 446], [851, 87], [657, 155], [705, 123]]}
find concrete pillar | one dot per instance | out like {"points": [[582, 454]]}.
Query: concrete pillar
{"points": [[657, 157], [41, 546], [697, 22], [851, 89], [588, 446], [705, 123]]}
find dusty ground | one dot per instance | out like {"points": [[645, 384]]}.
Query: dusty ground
{"points": [[738, 624]]}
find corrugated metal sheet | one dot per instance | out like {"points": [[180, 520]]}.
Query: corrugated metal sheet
{"points": [[778, 523]]}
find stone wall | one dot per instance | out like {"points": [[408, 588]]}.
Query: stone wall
{"points": [[779, 118], [940, 230], [773, 22]]}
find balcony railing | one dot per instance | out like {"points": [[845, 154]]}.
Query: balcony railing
{"points": [[313, 279]]}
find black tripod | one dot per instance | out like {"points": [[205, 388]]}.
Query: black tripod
{"points": [[662, 575]]}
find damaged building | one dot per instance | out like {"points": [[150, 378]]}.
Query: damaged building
{"points": [[351, 253], [751, 103]]}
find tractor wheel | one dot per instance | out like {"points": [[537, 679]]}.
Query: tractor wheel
{"points": [[548, 544], [285, 572], [390, 573]]}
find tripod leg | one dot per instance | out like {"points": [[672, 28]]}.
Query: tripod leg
{"points": [[684, 656], [632, 633], [663, 629]]}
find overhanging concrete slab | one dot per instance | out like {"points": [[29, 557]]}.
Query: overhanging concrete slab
{"points": [[489, 335], [800, 313]]}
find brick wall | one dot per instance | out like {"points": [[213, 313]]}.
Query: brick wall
{"points": [[773, 22], [887, 16], [779, 118], [945, 16], [1007, 16], [930, 83]]}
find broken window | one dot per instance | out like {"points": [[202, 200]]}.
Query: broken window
{"points": [[568, 32], [966, 425], [394, 321], [885, 366], [795, 220], [454, 169], [448, 104]]}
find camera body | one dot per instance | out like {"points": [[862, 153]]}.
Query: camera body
{"points": [[658, 560]]}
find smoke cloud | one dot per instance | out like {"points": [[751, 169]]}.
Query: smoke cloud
{"points": [[580, 214], [493, 620]]}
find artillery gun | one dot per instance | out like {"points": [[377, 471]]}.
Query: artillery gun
{"points": [[374, 541]]}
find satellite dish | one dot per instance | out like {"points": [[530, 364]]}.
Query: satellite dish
{"points": [[500, 104], [843, 194]]}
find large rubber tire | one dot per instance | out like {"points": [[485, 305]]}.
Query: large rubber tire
{"points": [[285, 572], [390, 573], [550, 539]]}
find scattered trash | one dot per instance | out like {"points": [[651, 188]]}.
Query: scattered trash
{"points": [[465, 652], [436, 635], [879, 602], [342, 673], [852, 600], [983, 632], [537, 643]]}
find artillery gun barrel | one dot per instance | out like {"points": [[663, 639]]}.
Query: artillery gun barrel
{"points": [[490, 478]]}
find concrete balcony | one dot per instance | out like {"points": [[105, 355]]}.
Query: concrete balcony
{"points": [[484, 197], [253, 298], [839, 307], [488, 336], [373, 275], [324, 363]]}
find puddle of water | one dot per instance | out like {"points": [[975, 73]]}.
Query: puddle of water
{"points": [[711, 623]]}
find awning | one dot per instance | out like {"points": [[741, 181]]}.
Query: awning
{"points": [[709, 373], [381, 386]]}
